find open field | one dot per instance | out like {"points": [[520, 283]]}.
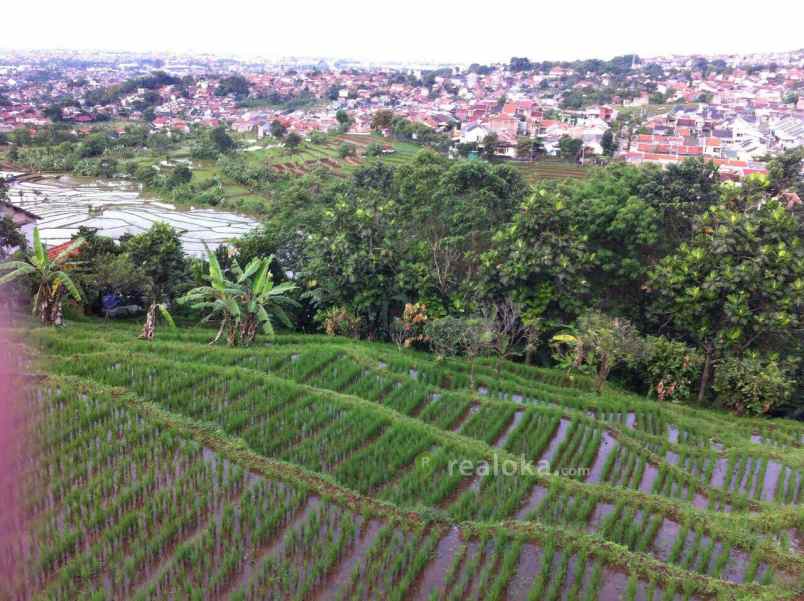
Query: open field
{"points": [[308, 467]]}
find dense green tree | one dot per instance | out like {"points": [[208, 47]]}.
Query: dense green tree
{"points": [[382, 119], [54, 113], [245, 301], [344, 120], [569, 149], [490, 142], [524, 148], [234, 85], [158, 252], [737, 285], [541, 259], [277, 129], [608, 143], [374, 150], [292, 142], [181, 175], [221, 139], [347, 150], [784, 170]]}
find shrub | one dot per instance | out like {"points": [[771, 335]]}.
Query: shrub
{"points": [[598, 343], [447, 336], [472, 337], [672, 367], [374, 150], [346, 150], [317, 137], [752, 385], [409, 330], [340, 321]]}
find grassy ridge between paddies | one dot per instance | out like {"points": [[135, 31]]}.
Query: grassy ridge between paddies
{"points": [[736, 528]]}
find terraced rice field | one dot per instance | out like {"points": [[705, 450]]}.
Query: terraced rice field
{"points": [[117, 208], [310, 157], [550, 169], [316, 468]]}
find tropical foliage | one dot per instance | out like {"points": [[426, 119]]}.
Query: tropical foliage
{"points": [[49, 277], [244, 302]]}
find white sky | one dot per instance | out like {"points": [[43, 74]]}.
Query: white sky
{"points": [[432, 30]]}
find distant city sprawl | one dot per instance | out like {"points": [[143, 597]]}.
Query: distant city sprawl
{"points": [[733, 110]]}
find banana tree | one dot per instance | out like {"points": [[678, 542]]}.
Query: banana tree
{"points": [[149, 328], [51, 277], [245, 302]]}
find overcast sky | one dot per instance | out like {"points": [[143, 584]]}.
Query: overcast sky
{"points": [[431, 30]]}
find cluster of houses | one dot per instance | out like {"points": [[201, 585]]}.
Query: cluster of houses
{"points": [[735, 116]]}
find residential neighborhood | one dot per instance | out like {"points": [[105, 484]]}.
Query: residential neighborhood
{"points": [[734, 110]]}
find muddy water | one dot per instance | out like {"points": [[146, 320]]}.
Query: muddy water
{"points": [[474, 408], [116, 208], [530, 561], [513, 425], [719, 472], [534, 500], [648, 478], [613, 585], [491, 554], [734, 570], [607, 444], [772, 473], [433, 576], [700, 501], [665, 537], [341, 577], [602, 510], [569, 580], [558, 438], [672, 434], [795, 541], [276, 546]]}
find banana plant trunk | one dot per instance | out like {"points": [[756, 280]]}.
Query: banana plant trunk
{"points": [[49, 307], [248, 329], [149, 329]]}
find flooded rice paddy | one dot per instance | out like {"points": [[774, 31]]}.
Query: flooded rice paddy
{"points": [[115, 208]]}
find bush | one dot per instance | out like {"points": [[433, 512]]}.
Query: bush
{"points": [[317, 137], [598, 343], [409, 330], [447, 336], [752, 385], [346, 150], [340, 321], [453, 336], [672, 368], [374, 150]]}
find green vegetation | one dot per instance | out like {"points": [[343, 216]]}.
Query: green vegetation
{"points": [[708, 275]]}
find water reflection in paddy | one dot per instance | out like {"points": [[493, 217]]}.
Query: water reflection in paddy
{"points": [[117, 207]]}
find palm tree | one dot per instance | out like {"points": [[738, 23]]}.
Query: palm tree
{"points": [[51, 275], [244, 304]]}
